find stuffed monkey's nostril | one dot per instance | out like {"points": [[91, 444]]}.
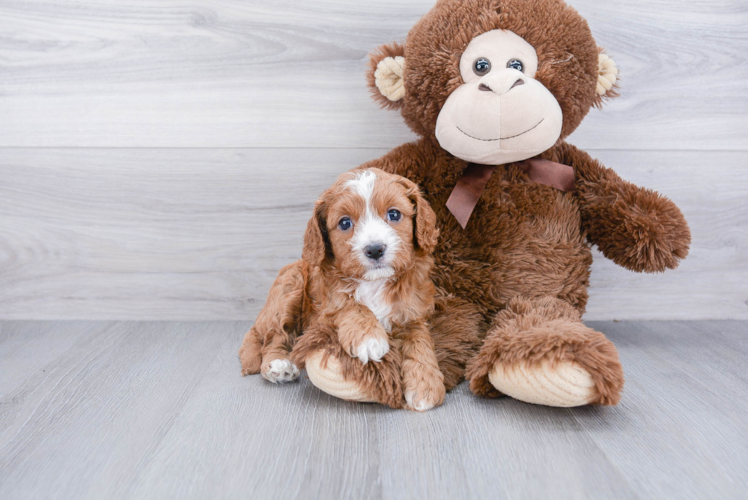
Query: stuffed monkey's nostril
{"points": [[519, 82], [484, 87]]}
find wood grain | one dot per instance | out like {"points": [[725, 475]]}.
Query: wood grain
{"points": [[110, 209], [99, 408], [201, 234], [159, 410], [107, 210], [680, 376], [265, 73], [263, 435]]}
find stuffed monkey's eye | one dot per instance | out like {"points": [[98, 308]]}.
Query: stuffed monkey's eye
{"points": [[345, 224], [515, 64], [393, 215], [481, 66]]}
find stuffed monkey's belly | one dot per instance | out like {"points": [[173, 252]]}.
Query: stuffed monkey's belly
{"points": [[546, 254], [532, 246]]}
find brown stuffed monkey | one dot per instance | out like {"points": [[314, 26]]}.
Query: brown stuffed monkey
{"points": [[493, 87]]}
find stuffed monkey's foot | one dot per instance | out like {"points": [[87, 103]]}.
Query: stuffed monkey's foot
{"points": [[335, 372], [539, 351], [565, 384], [330, 379]]}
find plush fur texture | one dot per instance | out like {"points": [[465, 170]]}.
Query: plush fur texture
{"points": [[511, 287], [351, 315], [557, 31], [530, 331], [391, 50], [279, 322]]}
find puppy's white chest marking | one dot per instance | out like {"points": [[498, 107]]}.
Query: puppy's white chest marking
{"points": [[371, 294]]}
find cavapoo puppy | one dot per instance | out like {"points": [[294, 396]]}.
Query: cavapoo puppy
{"points": [[367, 293]]}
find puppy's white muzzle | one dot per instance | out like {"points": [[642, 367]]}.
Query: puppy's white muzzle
{"points": [[371, 235]]}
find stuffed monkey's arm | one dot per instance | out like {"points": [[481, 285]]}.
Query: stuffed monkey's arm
{"points": [[635, 227], [360, 334]]}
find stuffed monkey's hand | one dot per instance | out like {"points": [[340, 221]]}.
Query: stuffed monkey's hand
{"points": [[636, 228], [362, 336]]}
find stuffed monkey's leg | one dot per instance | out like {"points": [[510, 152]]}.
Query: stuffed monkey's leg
{"points": [[267, 344], [457, 329], [456, 332], [335, 371], [539, 351]]}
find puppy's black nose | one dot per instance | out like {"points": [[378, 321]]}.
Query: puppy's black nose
{"points": [[374, 251]]}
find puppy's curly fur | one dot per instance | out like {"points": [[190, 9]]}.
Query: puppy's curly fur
{"points": [[369, 313]]}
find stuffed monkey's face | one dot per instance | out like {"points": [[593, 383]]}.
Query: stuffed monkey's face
{"points": [[501, 114]]}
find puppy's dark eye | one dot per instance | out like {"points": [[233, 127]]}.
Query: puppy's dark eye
{"points": [[345, 224], [481, 66], [515, 64], [393, 215]]}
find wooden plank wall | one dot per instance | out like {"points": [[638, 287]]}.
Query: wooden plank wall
{"points": [[158, 160]]}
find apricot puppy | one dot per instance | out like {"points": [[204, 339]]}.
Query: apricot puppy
{"points": [[367, 293]]}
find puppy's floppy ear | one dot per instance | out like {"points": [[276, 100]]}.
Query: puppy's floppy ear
{"points": [[385, 75], [425, 233], [607, 78], [316, 242]]}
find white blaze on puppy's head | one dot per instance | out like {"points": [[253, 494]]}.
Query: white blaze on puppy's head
{"points": [[374, 240]]}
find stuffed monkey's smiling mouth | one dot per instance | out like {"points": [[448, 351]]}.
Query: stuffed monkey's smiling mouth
{"points": [[502, 138]]}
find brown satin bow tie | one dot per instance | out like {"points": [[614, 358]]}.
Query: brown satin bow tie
{"points": [[474, 178]]}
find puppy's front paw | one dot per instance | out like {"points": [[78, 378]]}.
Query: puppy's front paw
{"points": [[280, 371], [424, 394], [373, 349], [423, 402]]}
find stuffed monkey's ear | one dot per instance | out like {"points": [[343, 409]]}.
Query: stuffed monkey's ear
{"points": [[315, 239], [385, 75], [607, 78], [425, 232]]}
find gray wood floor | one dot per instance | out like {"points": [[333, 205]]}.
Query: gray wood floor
{"points": [[158, 410]]}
